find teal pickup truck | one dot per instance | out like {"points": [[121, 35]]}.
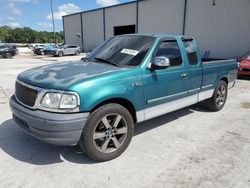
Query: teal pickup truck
{"points": [[95, 102]]}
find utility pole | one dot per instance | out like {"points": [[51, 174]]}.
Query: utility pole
{"points": [[53, 22]]}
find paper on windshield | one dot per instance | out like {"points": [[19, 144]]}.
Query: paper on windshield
{"points": [[130, 52]]}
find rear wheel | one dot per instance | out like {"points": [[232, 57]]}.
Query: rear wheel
{"points": [[60, 54], [7, 55], [107, 132], [77, 52], [219, 97]]}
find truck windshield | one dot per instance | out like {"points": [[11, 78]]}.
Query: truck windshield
{"points": [[126, 50]]}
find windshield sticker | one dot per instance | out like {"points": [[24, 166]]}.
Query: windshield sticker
{"points": [[130, 52]]}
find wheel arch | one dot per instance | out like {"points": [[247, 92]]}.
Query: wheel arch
{"points": [[60, 51], [225, 79], [121, 101]]}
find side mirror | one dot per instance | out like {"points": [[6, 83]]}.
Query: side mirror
{"points": [[160, 62]]}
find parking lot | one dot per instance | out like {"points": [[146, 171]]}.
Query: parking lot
{"points": [[192, 147]]}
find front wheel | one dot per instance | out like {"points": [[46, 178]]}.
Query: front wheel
{"points": [[219, 97], [60, 54], [107, 133], [77, 52], [7, 55]]}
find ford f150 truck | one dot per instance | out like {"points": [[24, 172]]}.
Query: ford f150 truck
{"points": [[95, 102]]}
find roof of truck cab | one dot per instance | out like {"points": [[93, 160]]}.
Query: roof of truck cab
{"points": [[159, 35]]}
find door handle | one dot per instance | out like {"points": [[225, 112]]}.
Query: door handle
{"points": [[184, 75]]}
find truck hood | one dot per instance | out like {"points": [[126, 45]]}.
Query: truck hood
{"points": [[63, 75]]}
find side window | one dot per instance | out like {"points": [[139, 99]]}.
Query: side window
{"points": [[191, 53], [171, 50]]}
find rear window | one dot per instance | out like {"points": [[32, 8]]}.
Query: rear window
{"points": [[191, 53]]}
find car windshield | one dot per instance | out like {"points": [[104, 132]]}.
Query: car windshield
{"points": [[245, 56], [125, 50]]}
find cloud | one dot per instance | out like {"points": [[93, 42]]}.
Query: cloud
{"points": [[44, 25], [64, 9], [105, 3], [12, 9], [12, 23]]}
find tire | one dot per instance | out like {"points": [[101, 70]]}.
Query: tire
{"points": [[8, 55], [218, 100], [60, 54], [77, 52], [105, 123]]}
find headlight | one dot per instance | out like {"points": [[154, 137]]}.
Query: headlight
{"points": [[68, 101], [60, 101]]}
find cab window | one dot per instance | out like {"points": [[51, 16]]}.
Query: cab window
{"points": [[171, 50], [190, 49]]}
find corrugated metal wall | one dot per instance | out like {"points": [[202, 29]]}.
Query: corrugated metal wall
{"points": [[160, 16], [119, 16], [93, 32], [223, 28], [72, 28]]}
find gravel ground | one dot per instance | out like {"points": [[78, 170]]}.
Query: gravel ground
{"points": [[192, 147]]}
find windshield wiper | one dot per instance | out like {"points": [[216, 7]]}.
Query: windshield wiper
{"points": [[106, 61]]}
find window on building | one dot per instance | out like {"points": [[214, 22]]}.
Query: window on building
{"points": [[126, 29]]}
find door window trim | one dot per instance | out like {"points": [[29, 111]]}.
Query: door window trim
{"points": [[158, 46]]}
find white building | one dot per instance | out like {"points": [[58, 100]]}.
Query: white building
{"points": [[219, 26]]}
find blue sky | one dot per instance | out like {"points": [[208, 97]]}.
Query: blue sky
{"points": [[36, 14]]}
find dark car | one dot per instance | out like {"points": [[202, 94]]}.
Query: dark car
{"points": [[45, 50], [244, 65], [37, 49], [7, 51]]}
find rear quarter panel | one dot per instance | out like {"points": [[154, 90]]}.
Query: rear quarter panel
{"points": [[216, 70]]}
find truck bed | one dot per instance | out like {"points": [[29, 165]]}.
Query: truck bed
{"points": [[216, 69]]}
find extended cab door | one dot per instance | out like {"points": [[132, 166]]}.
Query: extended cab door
{"points": [[166, 90], [195, 68]]}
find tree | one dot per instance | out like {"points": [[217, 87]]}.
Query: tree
{"points": [[27, 35]]}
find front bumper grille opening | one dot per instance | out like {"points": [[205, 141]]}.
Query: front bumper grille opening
{"points": [[25, 95]]}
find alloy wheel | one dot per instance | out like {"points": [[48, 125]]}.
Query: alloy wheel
{"points": [[110, 133], [221, 96]]}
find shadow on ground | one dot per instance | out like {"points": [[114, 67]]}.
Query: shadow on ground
{"points": [[27, 149]]}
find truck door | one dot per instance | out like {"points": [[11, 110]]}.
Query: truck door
{"points": [[166, 90], [195, 68]]}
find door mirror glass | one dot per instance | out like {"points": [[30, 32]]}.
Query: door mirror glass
{"points": [[160, 62]]}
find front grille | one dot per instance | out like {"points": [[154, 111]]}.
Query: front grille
{"points": [[245, 69], [26, 95]]}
